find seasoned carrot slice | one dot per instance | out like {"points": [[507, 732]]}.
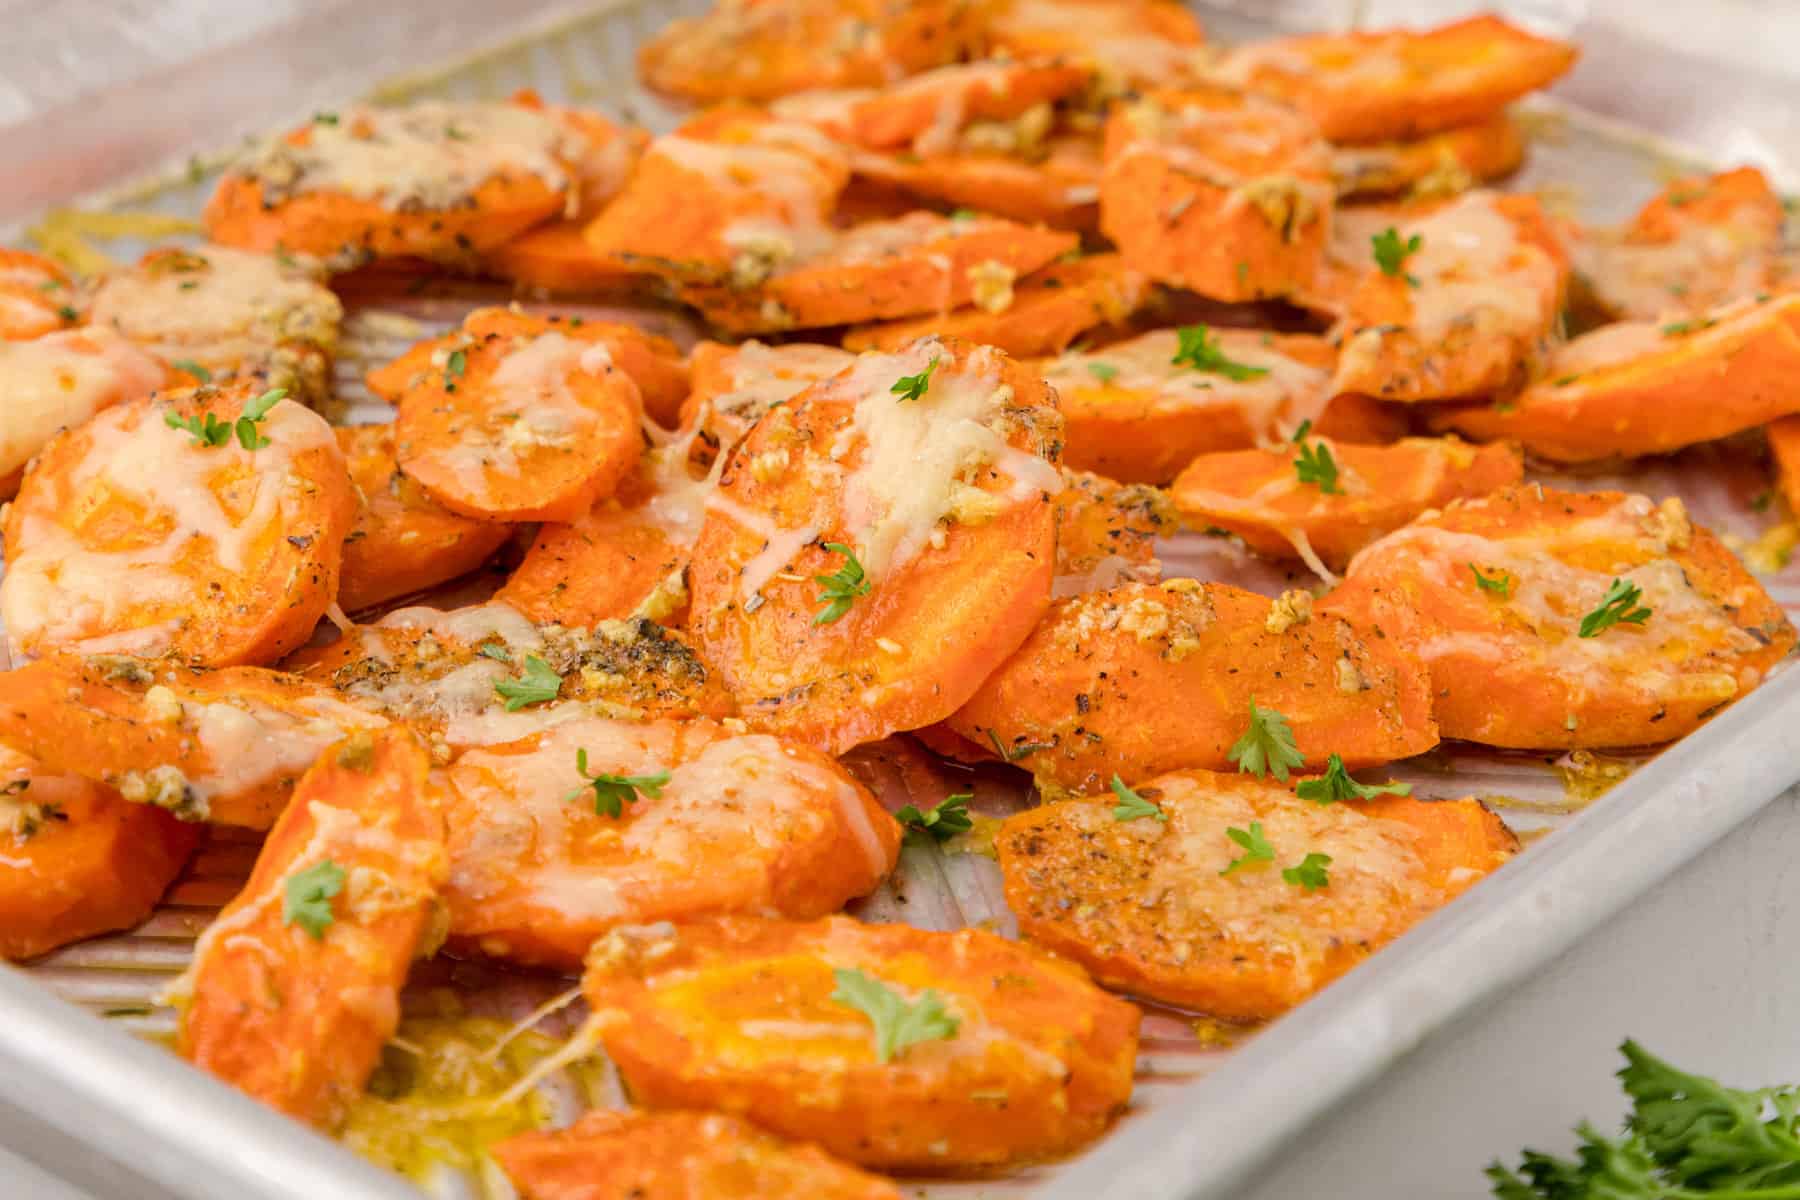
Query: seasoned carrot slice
{"points": [[1382, 85], [57, 382], [735, 385], [1637, 388], [1144, 679], [604, 151], [879, 270], [1106, 532], [543, 861], [223, 746], [758, 49], [652, 362], [1023, 170], [738, 1014], [1261, 496], [1701, 242], [231, 314], [1438, 164], [36, 296], [1493, 596], [1134, 43], [929, 110], [1217, 191], [402, 541], [526, 425], [1784, 444], [1155, 906], [442, 673], [1467, 312], [439, 181], [728, 197], [1041, 315], [676, 1156], [295, 987], [134, 536], [879, 544], [75, 859], [558, 260]]}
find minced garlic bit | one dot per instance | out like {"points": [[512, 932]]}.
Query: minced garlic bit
{"points": [[1350, 679], [164, 787], [1144, 618], [162, 705], [971, 505], [1291, 608], [769, 466], [993, 285], [1669, 524]]}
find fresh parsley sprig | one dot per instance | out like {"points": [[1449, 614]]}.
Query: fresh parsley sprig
{"points": [[912, 387], [1617, 607], [455, 366], [1267, 746], [1336, 785], [1199, 350], [306, 898], [1317, 467], [208, 431], [1309, 872], [539, 683], [1132, 806], [1255, 847], [1498, 584], [839, 590], [897, 1023], [1391, 253], [613, 792], [942, 821]]}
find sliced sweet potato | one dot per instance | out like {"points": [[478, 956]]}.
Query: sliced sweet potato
{"points": [[402, 541], [1437, 164], [434, 180], [134, 536], [1217, 191], [676, 1156], [295, 987], [1260, 495], [928, 111], [1634, 388], [1154, 905], [223, 746], [1468, 311], [880, 543], [543, 862], [1134, 43], [1492, 595], [59, 380], [886, 269], [1041, 315], [36, 296], [1024, 170], [735, 385], [77, 860], [1026, 1059], [1382, 85], [1142, 679], [758, 50], [1106, 532]]}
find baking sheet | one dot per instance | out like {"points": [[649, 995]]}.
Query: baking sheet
{"points": [[1208, 1101]]}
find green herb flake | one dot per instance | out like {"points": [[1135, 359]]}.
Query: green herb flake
{"points": [[1103, 371], [306, 899], [1199, 350], [613, 792], [839, 590], [1132, 806], [325, 118], [1309, 872], [454, 367], [1336, 785], [1391, 253], [538, 684], [1255, 847], [1267, 747], [1616, 608], [914, 387], [1498, 584], [193, 368], [897, 1023], [1317, 467], [943, 821]]}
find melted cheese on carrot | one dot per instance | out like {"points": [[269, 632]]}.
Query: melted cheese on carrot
{"points": [[59, 380]]}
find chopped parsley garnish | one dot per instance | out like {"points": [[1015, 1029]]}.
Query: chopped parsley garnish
{"points": [[964, 214], [539, 683], [1336, 785], [1499, 584], [306, 901], [1254, 845], [68, 314], [1316, 466], [1675, 328], [50, 285], [1267, 747], [1104, 372], [912, 387], [454, 366], [943, 821], [1616, 608], [325, 118], [207, 430], [897, 1023], [494, 650], [1391, 253], [193, 368], [1309, 872], [613, 792], [839, 590], [1199, 350], [1131, 806]]}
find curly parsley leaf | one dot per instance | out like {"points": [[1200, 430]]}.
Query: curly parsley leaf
{"points": [[1267, 747], [912, 387], [1391, 253], [1131, 806], [1498, 584], [1336, 785], [943, 821], [205, 428], [253, 414], [1616, 608], [1316, 466], [193, 368], [897, 1023], [454, 368], [1199, 350], [1309, 872], [839, 590], [1255, 847], [306, 900], [539, 683], [613, 792]]}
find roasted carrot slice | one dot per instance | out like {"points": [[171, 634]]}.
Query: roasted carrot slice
{"points": [[1024, 170], [604, 151], [1465, 310], [1040, 315], [1494, 597], [771, 1020], [223, 746], [221, 314], [1218, 191], [886, 269], [57, 382], [1167, 906], [439, 181], [295, 987], [402, 541], [652, 362], [676, 1156], [1134, 43], [544, 859], [36, 296], [1784, 444], [1701, 242], [77, 860], [558, 260], [1439, 164], [735, 385], [757, 50], [1325, 500], [525, 423], [1144, 679], [1106, 532], [443, 673], [880, 543], [1637, 388], [929, 110], [1382, 85], [135, 536]]}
